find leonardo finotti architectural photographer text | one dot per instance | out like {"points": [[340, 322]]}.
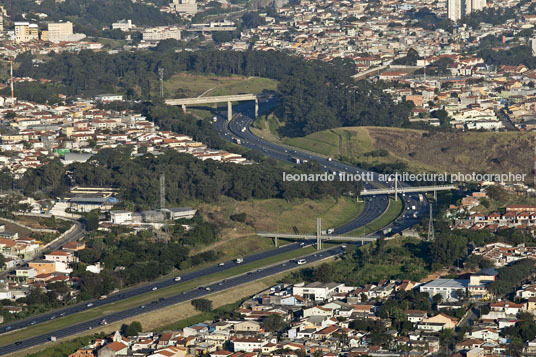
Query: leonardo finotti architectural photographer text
{"points": [[404, 176]]}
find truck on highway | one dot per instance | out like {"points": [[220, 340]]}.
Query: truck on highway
{"points": [[413, 207], [237, 140], [239, 260], [331, 230], [102, 297], [53, 338], [243, 129], [296, 160]]}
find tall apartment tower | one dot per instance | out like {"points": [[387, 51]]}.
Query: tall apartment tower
{"points": [[455, 9], [478, 5]]}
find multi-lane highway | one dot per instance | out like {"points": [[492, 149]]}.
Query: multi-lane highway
{"points": [[413, 208], [163, 302]]}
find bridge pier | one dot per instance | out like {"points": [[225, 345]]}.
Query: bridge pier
{"points": [[256, 108], [276, 242], [435, 196], [183, 108], [229, 110]]}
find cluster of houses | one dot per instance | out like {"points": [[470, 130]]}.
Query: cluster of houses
{"points": [[36, 133], [54, 267], [318, 317], [514, 216]]}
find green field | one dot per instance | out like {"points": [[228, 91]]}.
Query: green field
{"points": [[393, 211], [146, 298], [281, 215], [189, 85]]}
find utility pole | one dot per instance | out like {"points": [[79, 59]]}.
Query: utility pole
{"points": [[431, 235], [11, 72], [318, 233], [161, 74], [162, 191], [396, 186], [534, 172]]}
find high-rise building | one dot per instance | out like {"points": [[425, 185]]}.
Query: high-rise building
{"points": [[455, 9], [63, 32], [25, 31], [478, 5]]}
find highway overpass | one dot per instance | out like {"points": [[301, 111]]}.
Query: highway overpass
{"points": [[183, 102], [413, 189], [319, 238]]}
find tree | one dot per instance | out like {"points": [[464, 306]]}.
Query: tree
{"points": [[203, 305], [222, 36], [274, 323], [437, 299], [133, 329], [92, 221]]}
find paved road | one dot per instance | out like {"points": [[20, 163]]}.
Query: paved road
{"points": [[185, 296], [77, 233], [413, 208], [374, 207]]}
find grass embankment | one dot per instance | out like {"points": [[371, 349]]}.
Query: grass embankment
{"points": [[190, 85], [438, 152], [393, 210], [172, 317], [102, 311], [280, 215]]}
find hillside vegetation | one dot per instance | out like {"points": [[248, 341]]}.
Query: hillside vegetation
{"points": [[451, 152]]}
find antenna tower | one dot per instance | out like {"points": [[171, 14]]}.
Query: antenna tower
{"points": [[161, 74], [431, 236], [162, 191], [534, 171]]}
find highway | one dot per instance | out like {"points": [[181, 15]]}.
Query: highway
{"points": [[163, 302], [375, 206]]}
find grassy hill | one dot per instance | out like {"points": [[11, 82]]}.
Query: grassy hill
{"points": [[190, 85], [452, 152]]}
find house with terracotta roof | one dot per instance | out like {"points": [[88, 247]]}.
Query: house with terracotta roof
{"points": [[112, 349]]}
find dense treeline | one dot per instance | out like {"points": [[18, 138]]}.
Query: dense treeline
{"points": [[135, 258], [314, 95], [511, 276], [174, 119], [511, 57], [187, 178], [91, 16], [491, 16]]}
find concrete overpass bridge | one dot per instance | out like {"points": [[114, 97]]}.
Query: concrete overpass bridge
{"points": [[396, 190], [319, 238], [183, 102]]}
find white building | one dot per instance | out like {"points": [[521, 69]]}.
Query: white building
{"points": [[123, 25], [316, 291], [160, 33], [120, 217], [447, 288], [25, 31], [63, 32], [455, 10], [184, 6]]}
